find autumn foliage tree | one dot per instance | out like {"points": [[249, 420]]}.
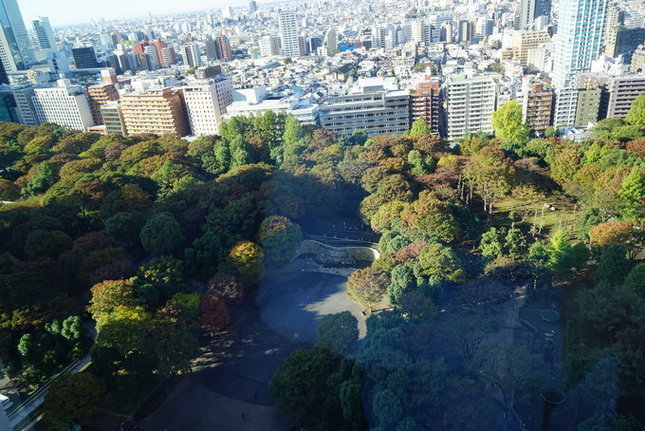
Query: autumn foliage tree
{"points": [[213, 314], [367, 286]]}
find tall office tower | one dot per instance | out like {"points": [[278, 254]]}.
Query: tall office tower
{"points": [[44, 33], [537, 104], [269, 45], [206, 103], [288, 25], [211, 50], [253, 6], [471, 103], [579, 38], [26, 112], [425, 103], [331, 43], [530, 10], [15, 48], [192, 55], [223, 48], [158, 111], [85, 58], [65, 105]]}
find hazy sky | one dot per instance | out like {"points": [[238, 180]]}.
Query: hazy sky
{"points": [[62, 12]]}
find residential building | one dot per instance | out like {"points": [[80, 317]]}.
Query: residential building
{"points": [[537, 105], [622, 40], [65, 105], [622, 92], [470, 105], [528, 40], [375, 109], [44, 33], [98, 95], [211, 51], [85, 58], [425, 103], [223, 48], [192, 55], [206, 103], [288, 26], [566, 104], [159, 111], [269, 45], [587, 106], [579, 38], [113, 119], [638, 60]]}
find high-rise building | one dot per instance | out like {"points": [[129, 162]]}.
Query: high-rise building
{"points": [[288, 25], [470, 104], [85, 58], [579, 38], [269, 45], [192, 55], [158, 111], [421, 32], [530, 10], [44, 33], [425, 103], [16, 52], [211, 50], [206, 102], [537, 105], [65, 105], [253, 6], [165, 55], [637, 64], [223, 48], [566, 105], [465, 31]]}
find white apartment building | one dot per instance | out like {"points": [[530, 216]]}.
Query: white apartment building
{"points": [[566, 106], [65, 105], [288, 25], [269, 45], [470, 105], [376, 109], [206, 103]]}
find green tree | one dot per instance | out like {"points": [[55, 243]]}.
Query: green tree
{"points": [[507, 123], [636, 279], [126, 329], [490, 244], [514, 243], [636, 114], [280, 238], [489, 174], [161, 233], [110, 294], [442, 261], [420, 127], [72, 399], [613, 265], [632, 190], [46, 176], [337, 332], [246, 258]]}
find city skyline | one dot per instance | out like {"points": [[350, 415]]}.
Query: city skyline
{"points": [[69, 12]]}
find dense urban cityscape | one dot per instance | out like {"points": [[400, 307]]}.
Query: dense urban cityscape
{"points": [[324, 215]]}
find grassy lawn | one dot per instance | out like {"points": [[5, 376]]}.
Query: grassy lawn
{"points": [[563, 217]]}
